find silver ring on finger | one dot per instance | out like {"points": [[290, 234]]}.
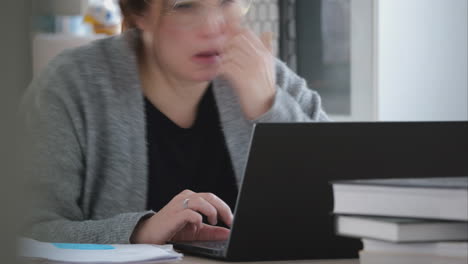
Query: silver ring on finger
{"points": [[185, 204]]}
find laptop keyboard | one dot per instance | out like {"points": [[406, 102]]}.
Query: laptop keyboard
{"points": [[211, 244]]}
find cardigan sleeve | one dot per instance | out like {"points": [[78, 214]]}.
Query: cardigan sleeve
{"points": [[54, 166], [294, 100]]}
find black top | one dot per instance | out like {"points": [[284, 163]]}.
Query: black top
{"points": [[195, 158]]}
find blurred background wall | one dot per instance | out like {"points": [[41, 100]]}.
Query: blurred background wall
{"points": [[421, 60], [15, 74]]}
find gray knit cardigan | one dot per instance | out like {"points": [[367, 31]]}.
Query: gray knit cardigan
{"points": [[85, 118]]}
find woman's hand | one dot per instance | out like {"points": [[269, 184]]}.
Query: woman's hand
{"points": [[248, 64], [181, 220]]}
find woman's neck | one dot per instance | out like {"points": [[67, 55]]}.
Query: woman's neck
{"points": [[175, 98]]}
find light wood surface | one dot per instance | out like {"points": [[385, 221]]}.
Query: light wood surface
{"points": [[197, 260]]}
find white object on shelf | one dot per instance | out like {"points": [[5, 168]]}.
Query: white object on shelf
{"points": [[47, 46]]}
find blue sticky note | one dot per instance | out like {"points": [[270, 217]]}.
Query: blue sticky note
{"points": [[83, 246]]}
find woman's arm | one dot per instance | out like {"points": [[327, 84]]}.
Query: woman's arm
{"points": [[294, 100], [55, 167], [268, 90]]}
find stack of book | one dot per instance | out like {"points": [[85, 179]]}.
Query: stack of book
{"points": [[403, 221]]}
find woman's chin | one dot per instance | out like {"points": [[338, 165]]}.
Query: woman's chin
{"points": [[206, 77]]}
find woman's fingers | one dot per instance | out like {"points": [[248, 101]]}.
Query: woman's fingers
{"points": [[187, 222], [205, 203], [267, 40], [213, 233], [245, 44], [249, 50], [224, 211], [202, 206], [184, 194], [233, 60], [205, 233], [248, 44], [185, 226], [254, 39], [182, 219]]}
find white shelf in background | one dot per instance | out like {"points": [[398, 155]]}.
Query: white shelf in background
{"points": [[47, 46]]}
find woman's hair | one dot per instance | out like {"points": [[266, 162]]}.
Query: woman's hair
{"points": [[130, 9]]}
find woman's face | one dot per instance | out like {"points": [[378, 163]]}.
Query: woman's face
{"points": [[187, 37]]}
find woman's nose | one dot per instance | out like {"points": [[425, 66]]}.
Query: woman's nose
{"points": [[213, 25]]}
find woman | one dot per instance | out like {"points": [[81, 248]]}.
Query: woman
{"points": [[137, 136]]}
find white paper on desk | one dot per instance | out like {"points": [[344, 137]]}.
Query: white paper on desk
{"points": [[90, 253]]}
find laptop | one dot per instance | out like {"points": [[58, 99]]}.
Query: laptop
{"points": [[285, 201]]}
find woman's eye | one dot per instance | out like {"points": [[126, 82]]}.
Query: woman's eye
{"points": [[225, 2], [182, 6]]}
